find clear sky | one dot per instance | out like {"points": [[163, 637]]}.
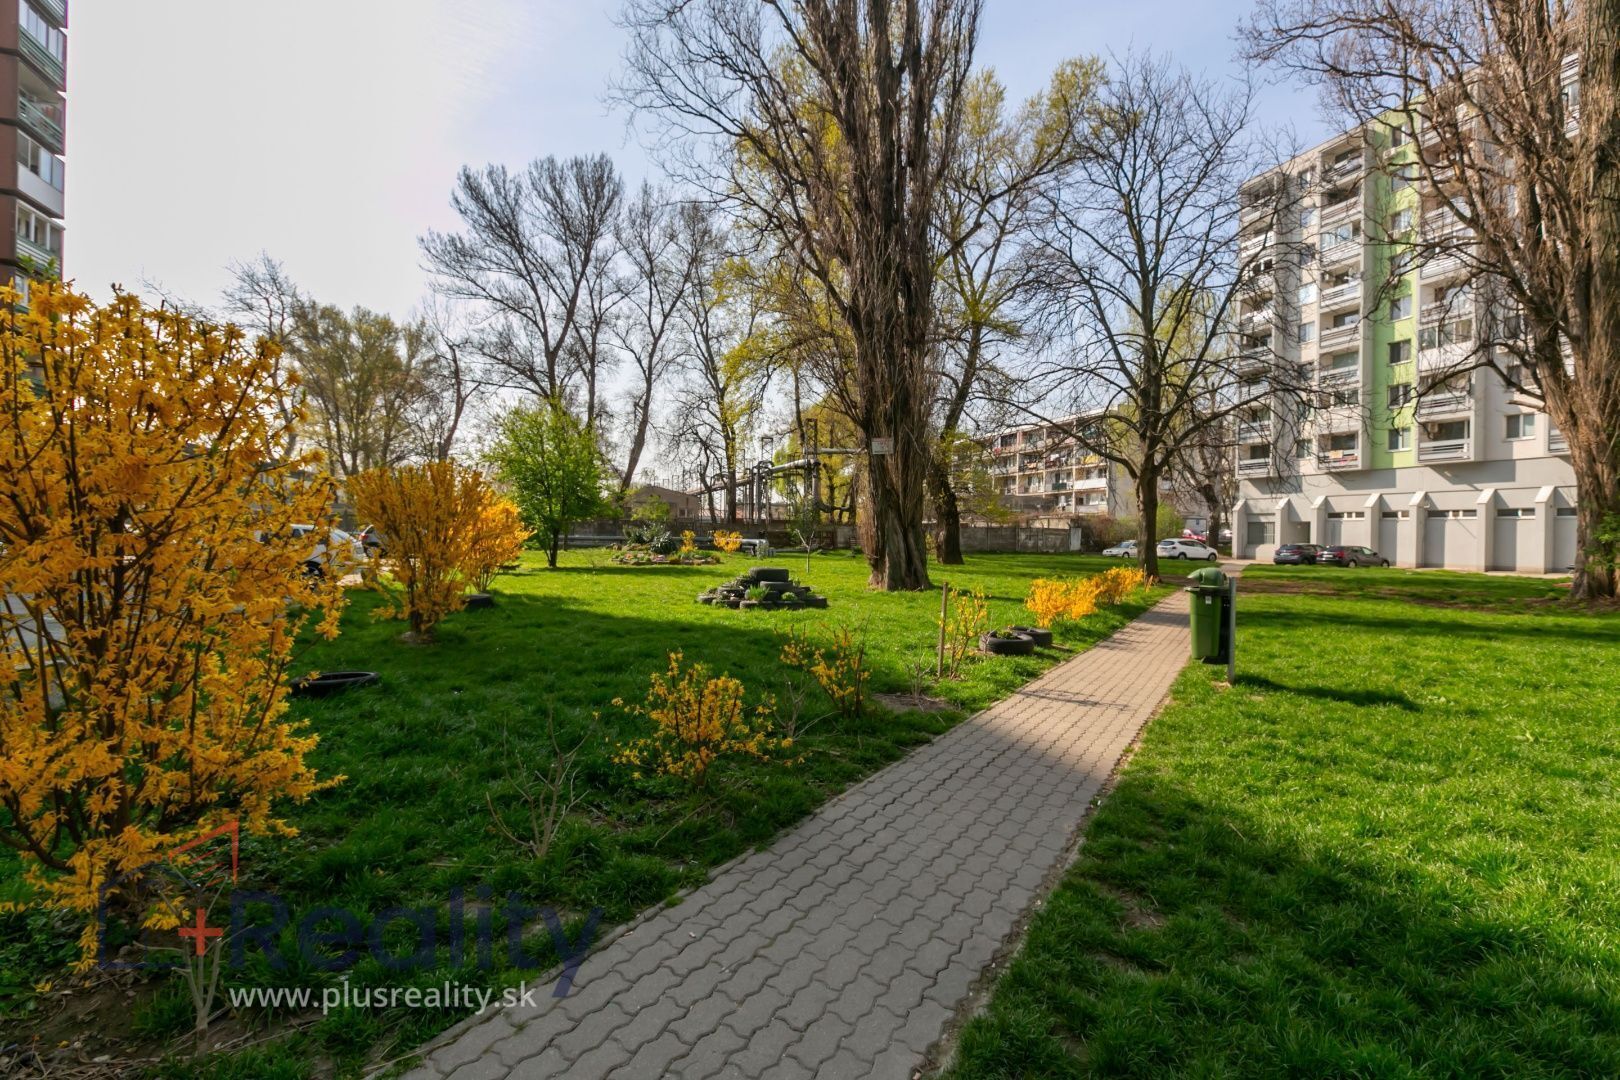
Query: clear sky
{"points": [[329, 132]]}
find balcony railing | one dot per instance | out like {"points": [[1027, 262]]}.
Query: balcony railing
{"points": [[1343, 170], [1340, 210], [1339, 459], [1445, 450], [55, 10], [1436, 311], [1343, 376], [1340, 335], [1343, 251], [1556, 442], [1254, 466], [1339, 295], [1456, 401], [1256, 320], [1254, 430], [41, 256], [1444, 266], [41, 57], [41, 120]]}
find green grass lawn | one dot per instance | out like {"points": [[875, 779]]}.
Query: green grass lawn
{"points": [[423, 758], [1392, 849]]}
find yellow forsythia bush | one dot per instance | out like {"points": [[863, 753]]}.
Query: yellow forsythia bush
{"points": [[840, 671], [495, 539], [152, 590], [1054, 601], [444, 533], [697, 719], [728, 542], [969, 618]]}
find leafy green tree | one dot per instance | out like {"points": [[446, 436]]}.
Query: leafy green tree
{"points": [[550, 465]]}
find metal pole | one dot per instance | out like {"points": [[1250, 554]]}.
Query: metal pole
{"points": [[1231, 631]]}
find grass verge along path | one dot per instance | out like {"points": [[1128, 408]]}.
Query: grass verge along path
{"points": [[1392, 849]]}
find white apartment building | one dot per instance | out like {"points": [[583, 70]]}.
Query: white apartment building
{"points": [[1461, 473], [1040, 471]]}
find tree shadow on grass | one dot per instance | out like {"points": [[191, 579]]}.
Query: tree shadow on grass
{"points": [[1192, 938], [1330, 693], [1434, 623]]}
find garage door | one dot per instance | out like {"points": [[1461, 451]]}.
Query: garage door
{"points": [[1512, 540], [1434, 539], [1563, 553], [1333, 531], [1389, 540], [1462, 541]]}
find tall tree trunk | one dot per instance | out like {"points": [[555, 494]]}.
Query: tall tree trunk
{"points": [[1595, 446], [1147, 521], [638, 442], [892, 520], [947, 515]]}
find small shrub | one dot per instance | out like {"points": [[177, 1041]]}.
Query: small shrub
{"points": [[969, 617], [757, 592], [1054, 601], [662, 543], [728, 542], [698, 719], [841, 672]]}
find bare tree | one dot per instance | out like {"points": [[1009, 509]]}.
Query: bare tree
{"points": [[834, 123], [1142, 274], [535, 244], [663, 247], [263, 298], [450, 385], [1515, 109]]}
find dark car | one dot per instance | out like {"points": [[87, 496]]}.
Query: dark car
{"points": [[1296, 554], [1346, 555]]}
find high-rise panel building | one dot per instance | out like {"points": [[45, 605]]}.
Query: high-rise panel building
{"points": [[33, 118], [1392, 445]]}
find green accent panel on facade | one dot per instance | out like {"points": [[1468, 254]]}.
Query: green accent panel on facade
{"points": [[1383, 202]]}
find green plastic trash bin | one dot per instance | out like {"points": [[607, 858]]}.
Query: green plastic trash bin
{"points": [[1207, 601]]}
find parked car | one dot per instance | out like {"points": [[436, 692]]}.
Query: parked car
{"points": [[1347, 555], [1296, 554], [371, 541], [1126, 549], [338, 553], [1176, 547]]}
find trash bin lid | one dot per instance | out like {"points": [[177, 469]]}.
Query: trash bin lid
{"points": [[1209, 575]]}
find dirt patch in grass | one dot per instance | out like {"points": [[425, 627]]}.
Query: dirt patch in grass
{"points": [[912, 703]]}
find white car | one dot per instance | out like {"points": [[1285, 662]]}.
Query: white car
{"points": [[342, 552], [1126, 549], [1182, 548]]}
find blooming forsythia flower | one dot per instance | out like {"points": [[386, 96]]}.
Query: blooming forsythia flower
{"points": [[153, 589], [842, 675], [1053, 601], [448, 531], [729, 542], [697, 720]]}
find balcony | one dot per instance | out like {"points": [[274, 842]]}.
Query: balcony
{"points": [[1557, 443], [1342, 376], [1340, 252], [1259, 319], [1343, 170], [1339, 459], [44, 121], [1445, 403], [54, 10], [1446, 450], [1451, 308], [41, 256], [1341, 210], [1443, 267], [1251, 247], [1335, 336], [1254, 466], [36, 53], [1254, 359], [1340, 296], [1092, 483], [1254, 430]]}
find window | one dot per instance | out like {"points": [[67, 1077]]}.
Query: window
{"points": [[1342, 398], [1302, 448], [1396, 515], [1449, 431], [1400, 308], [1402, 177], [1400, 221], [1400, 352], [1307, 217], [1307, 293], [1400, 438], [1344, 361], [1521, 426], [1398, 136], [1347, 515], [1259, 452], [1262, 531], [1516, 512], [38, 230], [1447, 333], [1400, 396], [1400, 262], [1566, 511], [42, 31], [1307, 332], [39, 161], [1340, 442], [1343, 234]]}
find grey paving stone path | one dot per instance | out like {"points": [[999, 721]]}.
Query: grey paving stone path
{"points": [[844, 949]]}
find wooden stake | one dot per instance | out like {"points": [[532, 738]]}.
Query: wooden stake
{"points": [[944, 613]]}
